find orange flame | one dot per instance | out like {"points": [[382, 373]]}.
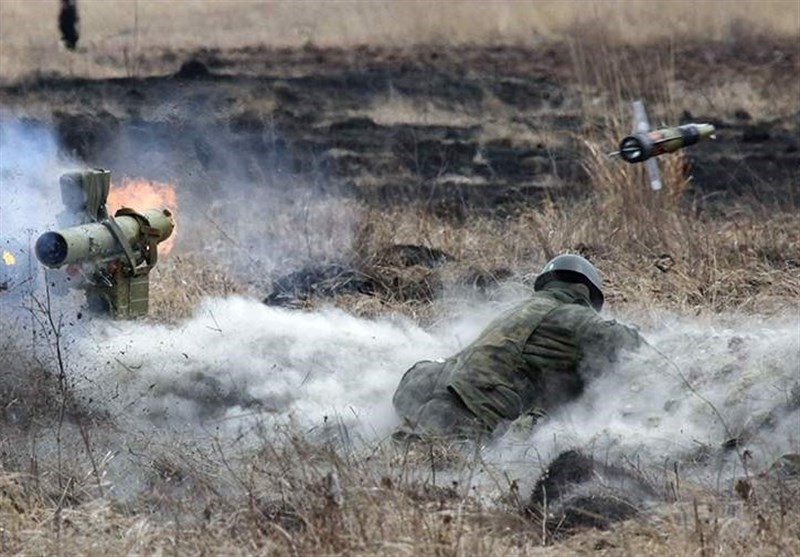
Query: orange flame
{"points": [[8, 258], [140, 194]]}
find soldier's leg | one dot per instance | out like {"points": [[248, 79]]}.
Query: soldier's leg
{"points": [[446, 416], [429, 408], [416, 387]]}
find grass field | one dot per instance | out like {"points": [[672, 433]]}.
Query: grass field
{"points": [[93, 462], [120, 34]]}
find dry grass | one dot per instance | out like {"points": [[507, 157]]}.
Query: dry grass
{"points": [[651, 252], [746, 260], [129, 37], [289, 497], [292, 495]]}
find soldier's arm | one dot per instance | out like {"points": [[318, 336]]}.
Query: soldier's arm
{"points": [[603, 340]]}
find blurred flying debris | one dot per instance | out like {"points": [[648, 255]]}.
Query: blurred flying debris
{"points": [[664, 262], [787, 466], [68, 21]]}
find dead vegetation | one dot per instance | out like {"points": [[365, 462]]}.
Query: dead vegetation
{"points": [[121, 38], [292, 495], [649, 246]]}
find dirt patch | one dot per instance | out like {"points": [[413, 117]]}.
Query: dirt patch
{"points": [[576, 491]]}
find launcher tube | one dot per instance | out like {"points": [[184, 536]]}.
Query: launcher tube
{"points": [[95, 241]]}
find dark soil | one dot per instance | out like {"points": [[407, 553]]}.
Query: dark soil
{"points": [[578, 491]]}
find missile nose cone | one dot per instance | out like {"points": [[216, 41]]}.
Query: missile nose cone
{"points": [[706, 130]]}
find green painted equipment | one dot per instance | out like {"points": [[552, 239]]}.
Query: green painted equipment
{"points": [[113, 255], [641, 146]]}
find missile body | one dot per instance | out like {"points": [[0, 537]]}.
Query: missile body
{"points": [[641, 146]]}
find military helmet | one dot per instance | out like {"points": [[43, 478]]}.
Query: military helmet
{"points": [[573, 268]]}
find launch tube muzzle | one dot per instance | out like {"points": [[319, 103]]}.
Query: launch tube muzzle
{"points": [[95, 241]]}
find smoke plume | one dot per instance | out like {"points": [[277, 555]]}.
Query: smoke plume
{"points": [[30, 164], [714, 394], [704, 391]]}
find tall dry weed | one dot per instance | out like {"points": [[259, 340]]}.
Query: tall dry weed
{"points": [[610, 81]]}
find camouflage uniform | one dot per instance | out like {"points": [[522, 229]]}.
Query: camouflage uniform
{"points": [[530, 359]]}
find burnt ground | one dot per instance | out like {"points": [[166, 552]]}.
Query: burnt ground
{"points": [[455, 128]]}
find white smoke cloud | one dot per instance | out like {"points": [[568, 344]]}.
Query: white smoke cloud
{"points": [[704, 383], [238, 356], [29, 169], [30, 200]]}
